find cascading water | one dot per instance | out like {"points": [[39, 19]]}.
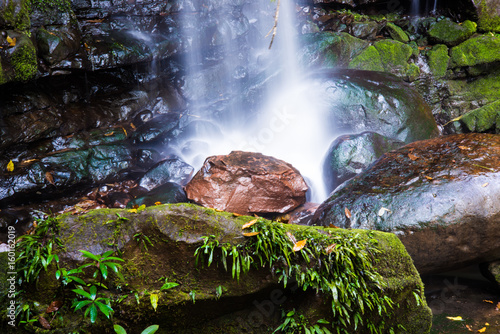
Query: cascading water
{"points": [[276, 112]]}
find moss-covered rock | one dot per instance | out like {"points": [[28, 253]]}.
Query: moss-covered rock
{"points": [[368, 60], [24, 60], [394, 55], [15, 14], [159, 242], [489, 15], [413, 72], [484, 118], [438, 60], [451, 33], [479, 50], [330, 49], [397, 33]]}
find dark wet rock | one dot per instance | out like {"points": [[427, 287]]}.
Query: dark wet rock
{"points": [[20, 219], [451, 33], [440, 197], [365, 30], [491, 270], [145, 158], [245, 183], [55, 45], [169, 170], [369, 101], [303, 214], [168, 192], [157, 129], [175, 231], [117, 199], [349, 155]]}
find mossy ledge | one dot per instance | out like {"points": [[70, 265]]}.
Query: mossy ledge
{"points": [[250, 304]]}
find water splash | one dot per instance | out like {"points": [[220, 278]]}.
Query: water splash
{"points": [[288, 125]]}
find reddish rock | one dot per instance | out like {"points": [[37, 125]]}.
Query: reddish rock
{"points": [[246, 183]]}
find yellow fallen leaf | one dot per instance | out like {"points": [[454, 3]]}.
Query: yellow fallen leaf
{"points": [[154, 300], [132, 126], [132, 210], [428, 177], [250, 234], [124, 131], [347, 213], [485, 185], [237, 214], [481, 330], [11, 41], [158, 203], [10, 166], [109, 133], [250, 223], [299, 245], [488, 301], [458, 318], [486, 324]]}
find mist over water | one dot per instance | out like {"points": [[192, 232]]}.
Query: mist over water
{"points": [[285, 122]]}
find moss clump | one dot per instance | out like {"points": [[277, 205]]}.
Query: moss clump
{"points": [[483, 49], [24, 60], [438, 60], [484, 118], [2, 76], [394, 55], [451, 33], [397, 33], [488, 21], [413, 72], [17, 14], [368, 60], [47, 5]]}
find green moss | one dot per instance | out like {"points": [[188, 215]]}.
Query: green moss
{"points": [[451, 33], [397, 33], [479, 50], [46, 5], [2, 75], [413, 72], [368, 60], [488, 19], [483, 90], [17, 14], [484, 118], [24, 60], [394, 55], [438, 60]]}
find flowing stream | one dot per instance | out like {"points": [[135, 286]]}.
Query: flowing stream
{"points": [[288, 121]]}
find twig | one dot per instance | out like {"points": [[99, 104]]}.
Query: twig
{"points": [[274, 28]]}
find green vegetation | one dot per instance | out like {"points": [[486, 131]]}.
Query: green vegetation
{"points": [[397, 33], [438, 60], [451, 33], [479, 50], [150, 330], [297, 323], [46, 5], [368, 60], [488, 20], [340, 267], [24, 60], [17, 14], [482, 119]]}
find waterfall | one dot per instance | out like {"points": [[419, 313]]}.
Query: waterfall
{"points": [[286, 120]]}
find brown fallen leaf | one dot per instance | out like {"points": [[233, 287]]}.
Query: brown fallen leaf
{"points": [[330, 248], [54, 306], [428, 177], [45, 324], [237, 214], [299, 245], [332, 226], [132, 126], [469, 328], [412, 156], [347, 213], [488, 301], [465, 148], [250, 234], [250, 223], [49, 177], [109, 133]]}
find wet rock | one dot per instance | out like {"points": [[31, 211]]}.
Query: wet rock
{"points": [[117, 199], [365, 30], [156, 129], [360, 101], [480, 50], [303, 214], [20, 219], [175, 232], [451, 33], [168, 192], [397, 33], [170, 170], [57, 44], [440, 196], [350, 155], [246, 183]]}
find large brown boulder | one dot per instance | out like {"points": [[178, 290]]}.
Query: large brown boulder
{"points": [[440, 196], [246, 183]]}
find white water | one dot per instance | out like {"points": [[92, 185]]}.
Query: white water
{"points": [[290, 126]]}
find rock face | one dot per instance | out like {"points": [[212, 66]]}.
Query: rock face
{"points": [[245, 183], [349, 155], [440, 196], [251, 305]]}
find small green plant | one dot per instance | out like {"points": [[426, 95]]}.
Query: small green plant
{"points": [[102, 263], [297, 323], [144, 239], [218, 291], [339, 266], [192, 294], [168, 285], [150, 330], [92, 303]]}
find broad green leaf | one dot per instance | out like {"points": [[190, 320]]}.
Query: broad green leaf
{"points": [[93, 292], [89, 255], [104, 271], [82, 292], [81, 304], [119, 329], [169, 285], [107, 310], [151, 329], [93, 313]]}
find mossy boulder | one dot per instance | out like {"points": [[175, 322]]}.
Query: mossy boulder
{"points": [[451, 33], [483, 119], [483, 49], [15, 14], [397, 33], [330, 49], [368, 60], [438, 60], [489, 15], [159, 242], [19, 61]]}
